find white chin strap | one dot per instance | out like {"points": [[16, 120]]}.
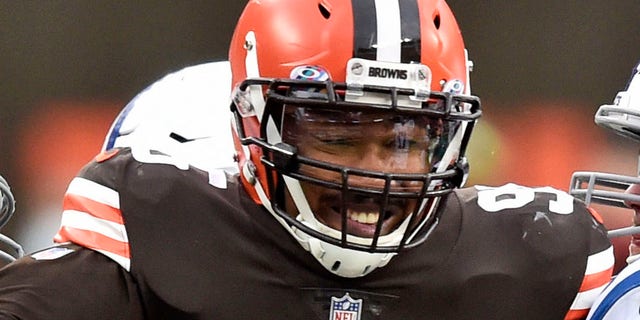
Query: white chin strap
{"points": [[345, 262]]}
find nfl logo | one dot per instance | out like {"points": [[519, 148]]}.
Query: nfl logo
{"points": [[345, 308]]}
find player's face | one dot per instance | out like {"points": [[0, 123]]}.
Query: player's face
{"points": [[381, 142], [634, 245]]}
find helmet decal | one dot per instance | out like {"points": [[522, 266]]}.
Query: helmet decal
{"points": [[315, 73], [115, 130], [454, 86]]}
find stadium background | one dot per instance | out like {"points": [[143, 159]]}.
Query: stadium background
{"points": [[542, 68]]}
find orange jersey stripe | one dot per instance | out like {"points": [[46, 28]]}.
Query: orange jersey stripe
{"points": [[576, 314], [96, 209], [592, 281], [598, 274], [92, 240]]}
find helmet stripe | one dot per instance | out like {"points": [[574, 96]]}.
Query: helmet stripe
{"points": [[410, 25], [386, 30], [389, 30]]}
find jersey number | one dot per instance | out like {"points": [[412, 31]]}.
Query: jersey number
{"points": [[146, 155], [512, 196]]}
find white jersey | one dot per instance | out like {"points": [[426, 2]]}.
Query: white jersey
{"points": [[621, 298]]}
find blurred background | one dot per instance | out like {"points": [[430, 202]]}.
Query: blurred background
{"points": [[542, 68]]}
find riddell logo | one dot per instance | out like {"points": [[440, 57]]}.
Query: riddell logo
{"points": [[387, 73]]}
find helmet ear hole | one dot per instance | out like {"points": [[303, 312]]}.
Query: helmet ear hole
{"points": [[324, 11], [436, 21]]}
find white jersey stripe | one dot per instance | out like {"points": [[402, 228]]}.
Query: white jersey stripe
{"points": [[389, 30], [85, 221], [122, 261], [94, 191], [600, 261], [585, 299]]}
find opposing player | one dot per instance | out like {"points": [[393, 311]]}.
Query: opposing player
{"points": [[181, 115], [351, 121], [621, 299], [7, 208]]}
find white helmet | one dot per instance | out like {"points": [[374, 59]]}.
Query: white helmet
{"points": [[623, 117], [185, 115]]}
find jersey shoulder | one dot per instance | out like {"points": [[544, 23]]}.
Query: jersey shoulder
{"points": [[517, 199], [120, 184], [541, 215], [542, 227]]}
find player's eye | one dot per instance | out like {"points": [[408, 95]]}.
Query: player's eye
{"points": [[338, 141], [401, 143]]}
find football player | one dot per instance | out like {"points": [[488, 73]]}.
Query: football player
{"points": [[7, 208], [351, 121], [620, 300], [180, 115]]}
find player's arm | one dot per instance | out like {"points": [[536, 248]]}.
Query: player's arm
{"points": [[67, 282], [579, 231], [91, 215], [599, 268]]}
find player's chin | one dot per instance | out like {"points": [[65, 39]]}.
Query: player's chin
{"points": [[634, 247]]}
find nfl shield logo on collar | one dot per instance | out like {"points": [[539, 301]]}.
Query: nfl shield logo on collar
{"points": [[345, 308]]}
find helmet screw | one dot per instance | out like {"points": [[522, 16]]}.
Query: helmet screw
{"points": [[249, 172], [357, 68], [421, 74], [248, 45]]}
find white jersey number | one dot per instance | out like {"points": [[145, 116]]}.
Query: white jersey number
{"points": [[146, 155], [512, 196]]}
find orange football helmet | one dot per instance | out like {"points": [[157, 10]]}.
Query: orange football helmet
{"points": [[311, 79]]}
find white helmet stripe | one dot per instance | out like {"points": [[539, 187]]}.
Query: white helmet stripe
{"points": [[253, 71], [395, 41], [389, 30]]}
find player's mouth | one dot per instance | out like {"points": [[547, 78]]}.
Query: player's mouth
{"points": [[363, 216]]}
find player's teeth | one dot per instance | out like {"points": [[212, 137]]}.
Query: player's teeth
{"points": [[363, 217]]}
